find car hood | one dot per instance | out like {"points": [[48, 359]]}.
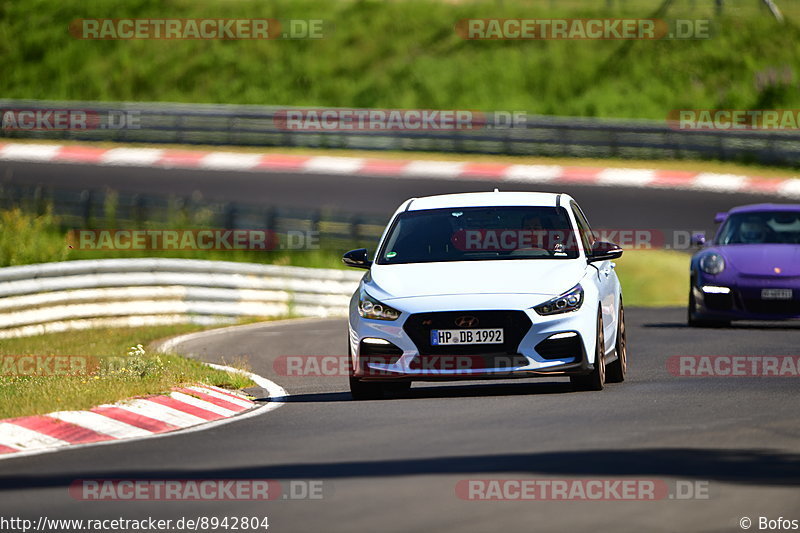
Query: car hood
{"points": [[762, 259], [548, 277]]}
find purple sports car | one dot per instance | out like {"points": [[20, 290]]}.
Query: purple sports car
{"points": [[751, 271]]}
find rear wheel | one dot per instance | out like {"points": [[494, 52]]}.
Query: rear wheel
{"points": [[616, 371], [597, 378]]}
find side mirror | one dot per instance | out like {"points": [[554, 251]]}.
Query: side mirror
{"points": [[698, 239], [720, 217], [357, 258], [603, 251]]}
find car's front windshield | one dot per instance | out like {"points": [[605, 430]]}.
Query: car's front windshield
{"points": [[479, 233], [762, 227]]}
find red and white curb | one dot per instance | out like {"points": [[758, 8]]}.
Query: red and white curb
{"points": [[397, 168], [189, 408]]}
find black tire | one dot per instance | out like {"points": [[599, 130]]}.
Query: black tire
{"points": [[618, 369], [596, 380], [691, 321], [361, 390], [701, 322]]}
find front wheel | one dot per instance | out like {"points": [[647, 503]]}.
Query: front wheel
{"points": [[361, 390], [693, 322], [597, 378], [616, 371]]}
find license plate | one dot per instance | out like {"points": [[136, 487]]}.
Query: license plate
{"points": [[449, 337], [776, 294]]}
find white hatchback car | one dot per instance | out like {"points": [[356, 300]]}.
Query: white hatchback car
{"points": [[488, 285]]}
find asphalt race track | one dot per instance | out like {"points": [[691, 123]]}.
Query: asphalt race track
{"points": [[394, 465]]}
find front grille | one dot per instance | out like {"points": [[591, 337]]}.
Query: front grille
{"points": [[515, 325], [566, 348]]}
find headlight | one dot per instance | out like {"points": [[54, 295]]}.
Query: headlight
{"points": [[369, 307], [565, 303], [712, 264]]}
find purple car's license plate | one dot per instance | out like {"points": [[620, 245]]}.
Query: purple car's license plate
{"points": [[776, 294]]}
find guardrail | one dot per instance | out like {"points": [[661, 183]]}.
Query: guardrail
{"points": [[52, 297], [535, 135]]}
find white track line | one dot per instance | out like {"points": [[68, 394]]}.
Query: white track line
{"points": [[626, 177], [30, 152], [533, 173], [222, 396], [229, 161], [13, 436], [710, 181], [159, 412], [334, 165], [201, 404], [438, 169], [100, 424], [132, 156], [790, 188]]}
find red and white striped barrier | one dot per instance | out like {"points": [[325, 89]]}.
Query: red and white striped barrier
{"points": [[397, 168], [184, 407]]}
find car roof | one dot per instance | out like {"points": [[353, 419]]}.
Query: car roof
{"points": [[764, 207], [487, 199]]}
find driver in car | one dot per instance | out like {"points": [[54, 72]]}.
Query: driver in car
{"points": [[753, 231]]}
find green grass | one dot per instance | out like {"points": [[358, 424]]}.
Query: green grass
{"points": [[27, 238], [654, 278], [122, 372], [405, 54]]}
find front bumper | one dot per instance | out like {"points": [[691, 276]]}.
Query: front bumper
{"points": [[525, 353], [744, 301]]}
